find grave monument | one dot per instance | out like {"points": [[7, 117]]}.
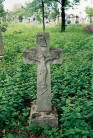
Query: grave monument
{"points": [[42, 112]]}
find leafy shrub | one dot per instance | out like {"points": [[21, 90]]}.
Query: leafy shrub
{"points": [[89, 29], [3, 27], [5, 24], [68, 21], [76, 22]]}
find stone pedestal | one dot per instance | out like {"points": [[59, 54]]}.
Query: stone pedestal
{"points": [[43, 118]]}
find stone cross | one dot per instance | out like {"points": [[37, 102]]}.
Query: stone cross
{"points": [[43, 56], [1, 46]]}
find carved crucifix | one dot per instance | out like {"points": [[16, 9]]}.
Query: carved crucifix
{"points": [[43, 57]]}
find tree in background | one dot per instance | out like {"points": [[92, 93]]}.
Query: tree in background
{"points": [[65, 4], [48, 9], [54, 11], [34, 8], [43, 9], [18, 11], [89, 12]]}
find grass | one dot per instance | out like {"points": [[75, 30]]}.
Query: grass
{"points": [[71, 83]]}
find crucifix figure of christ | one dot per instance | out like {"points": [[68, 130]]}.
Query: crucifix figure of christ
{"points": [[43, 56]]}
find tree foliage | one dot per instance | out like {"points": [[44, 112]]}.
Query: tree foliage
{"points": [[43, 9], [35, 7], [1, 8], [64, 4], [89, 12]]}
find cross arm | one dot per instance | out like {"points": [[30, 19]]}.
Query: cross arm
{"points": [[30, 56], [56, 56]]}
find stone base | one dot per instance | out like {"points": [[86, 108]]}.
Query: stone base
{"points": [[43, 118]]}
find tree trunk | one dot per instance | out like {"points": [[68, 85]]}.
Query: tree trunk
{"points": [[62, 15], [43, 16]]}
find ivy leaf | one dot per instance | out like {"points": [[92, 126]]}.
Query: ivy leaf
{"points": [[71, 131], [10, 136]]}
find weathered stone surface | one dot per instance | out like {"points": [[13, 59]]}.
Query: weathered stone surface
{"points": [[30, 56], [1, 46], [43, 56], [43, 118]]}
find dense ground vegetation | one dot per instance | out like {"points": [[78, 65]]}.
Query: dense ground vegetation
{"points": [[72, 84]]}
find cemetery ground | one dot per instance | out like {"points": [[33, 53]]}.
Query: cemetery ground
{"points": [[72, 83]]}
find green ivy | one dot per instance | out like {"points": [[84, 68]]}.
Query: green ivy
{"points": [[72, 84]]}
